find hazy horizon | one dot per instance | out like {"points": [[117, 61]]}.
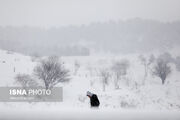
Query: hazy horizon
{"points": [[78, 27], [133, 36]]}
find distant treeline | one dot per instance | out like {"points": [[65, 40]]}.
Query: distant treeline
{"points": [[129, 36]]}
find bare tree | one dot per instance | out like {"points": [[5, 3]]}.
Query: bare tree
{"points": [[161, 69], [25, 81], [120, 69], [146, 63], [105, 75], [51, 71]]}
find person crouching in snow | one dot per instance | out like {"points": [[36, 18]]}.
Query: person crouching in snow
{"points": [[93, 99]]}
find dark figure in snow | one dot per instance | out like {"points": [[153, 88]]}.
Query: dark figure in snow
{"points": [[93, 99]]}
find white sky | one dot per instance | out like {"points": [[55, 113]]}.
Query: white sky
{"points": [[64, 12]]}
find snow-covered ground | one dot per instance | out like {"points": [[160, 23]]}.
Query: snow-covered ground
{"points": [[131, 95], [88, 114]]}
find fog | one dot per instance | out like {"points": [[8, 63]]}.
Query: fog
{"points": [[48, 13], [81, 27], [122, 37]]}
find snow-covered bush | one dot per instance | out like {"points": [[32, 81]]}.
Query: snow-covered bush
{"points": [[25, 80]]}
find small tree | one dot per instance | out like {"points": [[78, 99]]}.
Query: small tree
{"points": [[161, 69], [146, 63], [119, 68], [51, 71], [105, 75]]}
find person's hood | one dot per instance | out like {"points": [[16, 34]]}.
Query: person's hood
{"points": [[89, 94]]}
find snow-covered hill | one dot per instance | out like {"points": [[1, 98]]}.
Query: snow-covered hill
{"points": [[130, 95]]}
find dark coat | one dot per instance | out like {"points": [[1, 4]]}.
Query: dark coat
{"points": [[94, 101]]}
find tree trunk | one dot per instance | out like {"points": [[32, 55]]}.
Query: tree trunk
{"points": [[163, 81], [46, 85]]}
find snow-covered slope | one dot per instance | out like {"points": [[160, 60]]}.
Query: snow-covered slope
{"points": [[130, 95], [12, 64]]}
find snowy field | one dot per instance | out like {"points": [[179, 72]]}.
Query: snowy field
{"points": [[131, 100]]}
